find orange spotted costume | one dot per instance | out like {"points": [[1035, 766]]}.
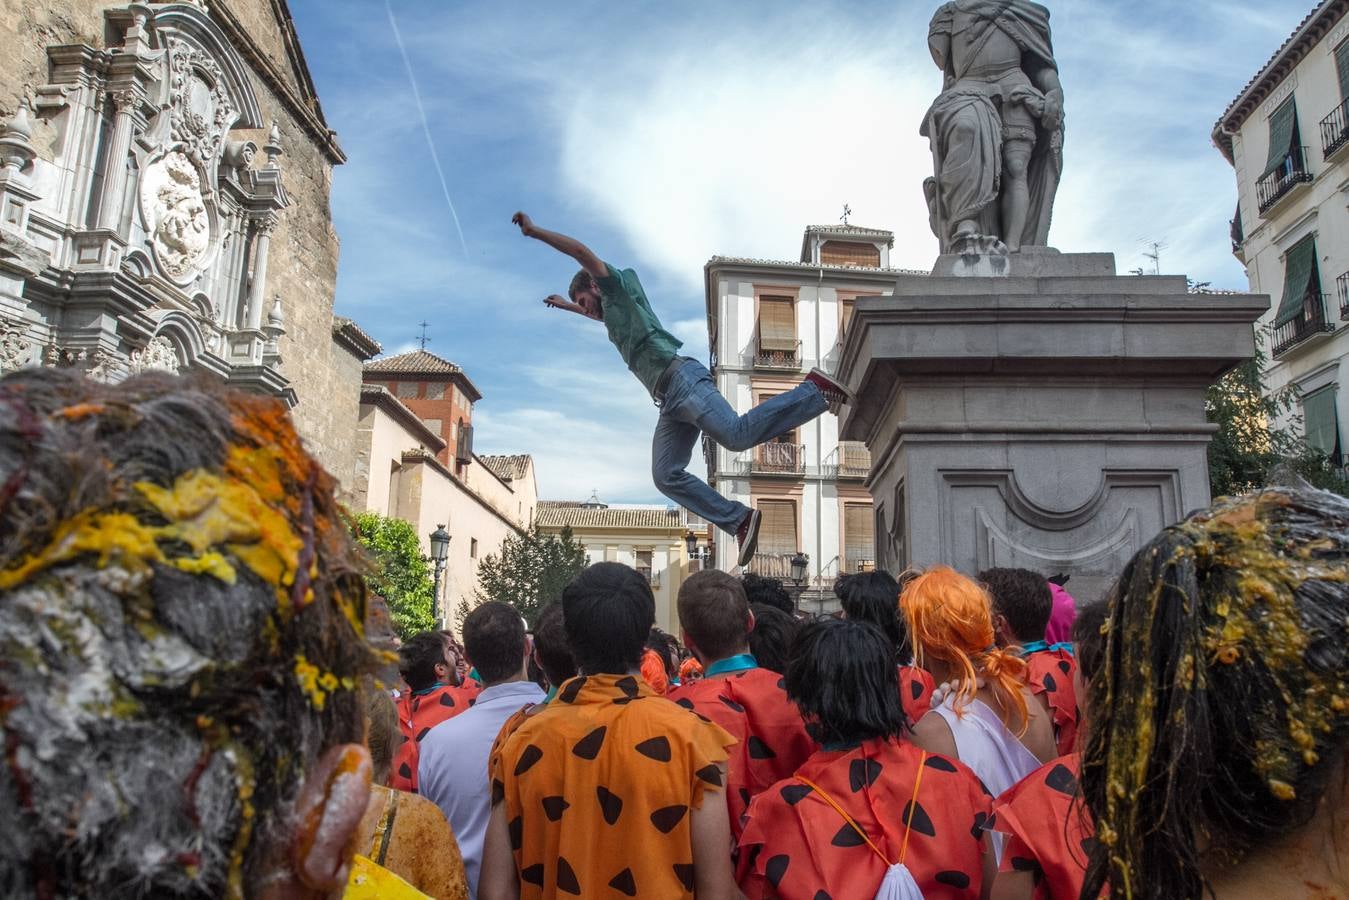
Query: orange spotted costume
{"points": [[609, 765], [1049, 674], [417, 715], [752, 705], [1050, 831], [915, 692]]}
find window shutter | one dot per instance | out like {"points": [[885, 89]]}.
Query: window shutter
{"points": [[1299, 268], [859, 536], [777, 530], [1321, 422], [850, 253], [1342, 68], [846, 309], [1282, 131], [777, 323]]}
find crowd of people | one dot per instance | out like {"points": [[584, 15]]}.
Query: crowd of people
{"points": [[195, 700]]}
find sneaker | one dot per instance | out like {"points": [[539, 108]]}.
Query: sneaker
{"points": [[835, 394], [747, 536]]}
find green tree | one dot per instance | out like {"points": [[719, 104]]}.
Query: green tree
{"points": [[1259, 432], [530, 571], [402, 574]]}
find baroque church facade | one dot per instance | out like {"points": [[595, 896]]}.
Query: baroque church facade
{"points": [[165, 171]]}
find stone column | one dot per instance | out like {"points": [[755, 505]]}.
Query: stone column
{"points": [[113, 196], [257, 288]]}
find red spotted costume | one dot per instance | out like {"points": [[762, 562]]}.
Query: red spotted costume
{"points": [[417, 715], [1049, 830], [1049, 674]]}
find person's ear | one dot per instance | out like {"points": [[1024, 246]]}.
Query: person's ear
{"points": [[1000, 630], [749, 621], [327, 816]]}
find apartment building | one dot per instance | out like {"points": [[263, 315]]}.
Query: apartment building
{"points": [[769, 322], [1287, 137]]}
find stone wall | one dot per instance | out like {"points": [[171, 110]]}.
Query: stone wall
{"points": [[304, 248]]}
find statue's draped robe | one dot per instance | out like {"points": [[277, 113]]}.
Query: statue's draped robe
{"points": [[964, 125]]}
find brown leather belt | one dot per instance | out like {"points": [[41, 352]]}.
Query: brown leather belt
{"points": [[663, 381]]}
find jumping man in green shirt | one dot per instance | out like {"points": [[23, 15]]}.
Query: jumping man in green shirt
{"points": [[682, 387]]}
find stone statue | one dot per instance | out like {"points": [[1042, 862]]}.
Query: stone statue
{"points": [[996, 129]]}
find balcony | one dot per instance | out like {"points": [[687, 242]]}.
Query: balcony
{"points": [[858, 566], [1283, 180], [1335, 130], [777, 360], [1309, 324], [1342, 292], [774, 459], [772, 565], [851, 459]]}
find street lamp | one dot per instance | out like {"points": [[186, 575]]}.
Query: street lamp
{"points": [[440, 551], [691, 544], [800, 564]]}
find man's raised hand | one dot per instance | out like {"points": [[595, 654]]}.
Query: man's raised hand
{"points": [[555, 301], [526, 224]]}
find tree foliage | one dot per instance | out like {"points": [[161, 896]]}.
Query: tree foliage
{"points": [[402, 574], [530, 571], [1259, 435]]}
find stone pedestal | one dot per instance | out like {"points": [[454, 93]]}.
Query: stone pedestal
{"points": [[1050, 418]]}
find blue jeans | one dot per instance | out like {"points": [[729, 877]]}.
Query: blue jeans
{"points": [[692, 404]]}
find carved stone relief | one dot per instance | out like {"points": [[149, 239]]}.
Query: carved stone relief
{"points": [[15, 350], [157, 356], [175, 214]]}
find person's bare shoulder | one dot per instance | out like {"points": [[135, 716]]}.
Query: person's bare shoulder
{"points": [[934, 735]]}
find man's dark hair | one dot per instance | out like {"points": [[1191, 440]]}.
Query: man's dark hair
{"points": [[842, 676], [494, 639], [608, 610], [579, 282], [874, 597], [173, 669], [771, 639], [1088, 642], [550, 642], [418, 658], [714, 613], [769, 591], [1021, 597]]}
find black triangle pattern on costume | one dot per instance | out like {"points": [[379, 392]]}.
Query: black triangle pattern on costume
{"points": [[847, 836], [528, 757], [822, 895], [628, 685], [405, 771], [446, 700], [1050, 684], [916, 689], [782, 684], [1021, 864], [533, 874], [794, 793], [954, 879], [611, 805], [624, 883], [1065, 667], [711, 774], [423, 733], [941, 764], [657, 748], [1061, 779], [684, 872], [735, 707], [589, 746], [917, 818], [862, 773], [566, 878], [776, 867], [684, 702], [758, 749], [554, 807], [667, 817], [980, 825], [571, 689], [517, 832]]}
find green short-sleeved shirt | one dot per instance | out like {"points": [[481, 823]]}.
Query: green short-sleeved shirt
{"points": [[633, 328]]}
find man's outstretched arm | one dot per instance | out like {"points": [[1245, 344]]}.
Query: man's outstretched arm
{"points": [[563, 244], [557, 302]]}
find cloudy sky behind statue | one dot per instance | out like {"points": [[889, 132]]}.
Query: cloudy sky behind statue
{"points": [[671, 132]]}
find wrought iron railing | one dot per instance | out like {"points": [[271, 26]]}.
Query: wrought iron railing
{"points": [[778, 459], [1276, 185], [1311, 322], [1342, 292], [785, 360], [853, 460], [1335, 129], [772, 565]]}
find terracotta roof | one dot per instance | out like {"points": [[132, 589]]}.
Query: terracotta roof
{"points": [[1313, 27], [508, 468], [554, 514], [355, 338], [421, 364]]}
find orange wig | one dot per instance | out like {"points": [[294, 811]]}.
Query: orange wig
{"points": [[950, 619]]}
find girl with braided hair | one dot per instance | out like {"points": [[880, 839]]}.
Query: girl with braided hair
{"points": [[982, 712], [1214, 759]]}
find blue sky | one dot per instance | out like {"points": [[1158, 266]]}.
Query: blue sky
{"points": [[661, 133]]}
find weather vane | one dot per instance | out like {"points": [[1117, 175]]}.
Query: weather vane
{"points": [[424, 338], [847, 211]]}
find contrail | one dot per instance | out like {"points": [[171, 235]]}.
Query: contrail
{"points": [[426, 129]]}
